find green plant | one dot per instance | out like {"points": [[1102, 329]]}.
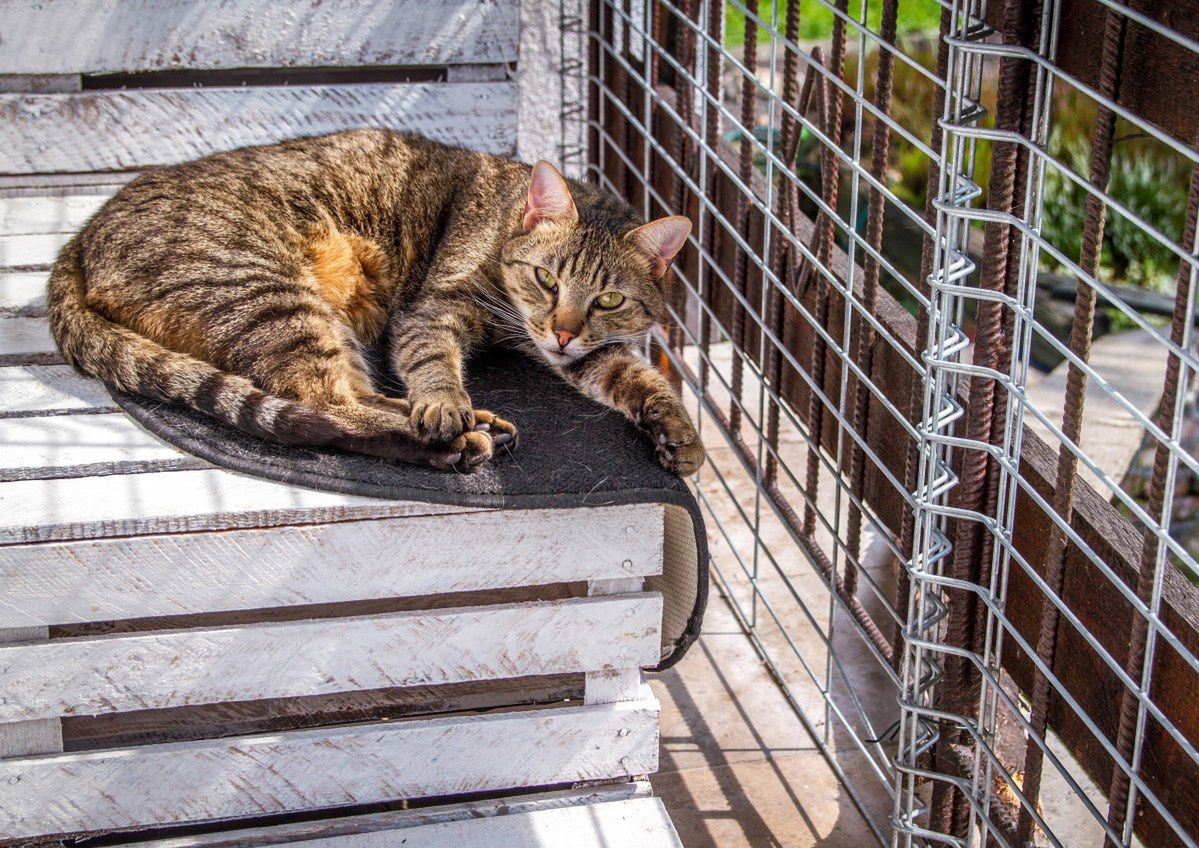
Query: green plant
{"points": [[816, 18], [1149, 180]]}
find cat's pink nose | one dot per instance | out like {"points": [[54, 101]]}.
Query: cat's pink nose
{"points": [[564, 337]]}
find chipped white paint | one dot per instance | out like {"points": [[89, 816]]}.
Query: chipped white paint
{"points": [[100, 36], [116, 130], [23, 292], [83, 445], [29, 736], [176, 502], [641, 822], [327, 767], [396, 820], [25, 339], [39, 389], [30, 250], [110, 579], [609, 685], [90, 676], [20, 216]]}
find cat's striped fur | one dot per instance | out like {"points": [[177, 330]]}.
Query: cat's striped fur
{"points": [[248, 284]]}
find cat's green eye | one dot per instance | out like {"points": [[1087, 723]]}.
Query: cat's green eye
{"points": [[546, 279], [610, 300]]}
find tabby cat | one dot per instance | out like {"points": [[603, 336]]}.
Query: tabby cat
{"points": [[247, 285]]}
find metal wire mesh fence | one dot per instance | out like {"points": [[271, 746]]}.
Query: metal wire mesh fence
{"points": [[940, 337]]}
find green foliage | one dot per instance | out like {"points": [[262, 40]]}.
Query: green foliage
{"points": [[1149, 180], [816, 18]]}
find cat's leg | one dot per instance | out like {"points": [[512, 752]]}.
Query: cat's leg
{"points": [[308, 355], [618, 377], [429, 344]]}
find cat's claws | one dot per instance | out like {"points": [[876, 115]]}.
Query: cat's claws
{"points": [[472, 449], [678, 445], [501, 432]]}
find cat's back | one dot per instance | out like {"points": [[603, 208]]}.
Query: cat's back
{"points": [[254, 195]]}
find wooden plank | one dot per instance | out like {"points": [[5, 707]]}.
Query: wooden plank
{"points": [[29, 390], [403, 819], [33, 736], [642, 822], [176, 502], [276, 715], [157, 35], [65, 677], [21, 216], [27, 341], [41, 185], [110, 579], [115, 130], [32, 250], [82, 446], [609, 685], [314, 769], [23, 293]]}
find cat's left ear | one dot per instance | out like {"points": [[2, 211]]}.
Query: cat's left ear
{"points": [[660, 240], [549, 198]]}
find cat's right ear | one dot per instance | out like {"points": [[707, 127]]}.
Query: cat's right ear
{"points": [[549, 198]]}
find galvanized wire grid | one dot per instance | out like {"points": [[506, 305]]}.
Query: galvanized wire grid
{"points": [[865, 504]]}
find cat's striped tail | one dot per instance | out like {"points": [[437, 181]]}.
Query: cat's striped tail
{"points": [[137, 365]]}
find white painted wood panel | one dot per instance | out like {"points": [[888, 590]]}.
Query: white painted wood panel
{"points": [[312, 769], [115, 130], [27, 390], [23, 292], [397, 820], [27, 340], [119, 673], [641, 822], [176, 502], [33, 250], [21, 216], [82, 446], [110, 579], [32, 736], [102, 36]]}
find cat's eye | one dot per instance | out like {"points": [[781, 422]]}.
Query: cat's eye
{"points": [[610, 300], [546, 279]]}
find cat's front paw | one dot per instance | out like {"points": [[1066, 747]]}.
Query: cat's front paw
{"points": [[442, 417], [678, 444]]}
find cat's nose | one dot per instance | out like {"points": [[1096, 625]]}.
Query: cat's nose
{"points": [[564, 337]]}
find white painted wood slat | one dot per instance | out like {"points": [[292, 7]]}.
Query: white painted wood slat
{"points": [[119, 673], [116, 130], [176, 502], [400, 820], [34, 250], [21, 216], [641, 822], [34, 736], [313, 769], [101, 36], [27, 340], [23, 293], [111, 579], [82, 446], [27, 390]]}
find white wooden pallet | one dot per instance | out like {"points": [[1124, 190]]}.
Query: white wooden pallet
{"points": [[186, 647], [153, 604]]}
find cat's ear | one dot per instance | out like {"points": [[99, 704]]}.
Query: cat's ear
{"points": [[660, 240], [549, 198]]}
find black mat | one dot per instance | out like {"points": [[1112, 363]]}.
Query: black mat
{"points": [[573, 453]]}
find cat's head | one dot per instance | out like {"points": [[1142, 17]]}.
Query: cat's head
{"points": [[579, 287]]}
